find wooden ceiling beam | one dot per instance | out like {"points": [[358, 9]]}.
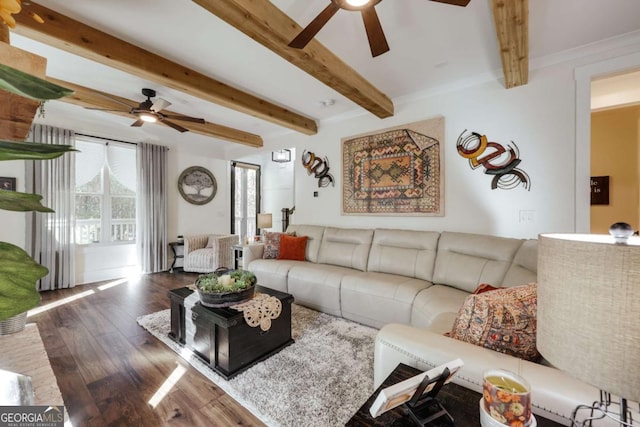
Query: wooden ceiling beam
{"points": [[77, 38], [268, 25], [511, 19], [92, 98]]}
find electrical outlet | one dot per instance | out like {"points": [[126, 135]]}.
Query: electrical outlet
{"points": [[315, 194], [527, 217]]}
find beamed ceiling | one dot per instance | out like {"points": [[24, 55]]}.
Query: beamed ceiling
{"points": [[228, 60]]}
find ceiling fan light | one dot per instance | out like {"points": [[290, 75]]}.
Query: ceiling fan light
{"points": [[149, 118], [358, 3]]}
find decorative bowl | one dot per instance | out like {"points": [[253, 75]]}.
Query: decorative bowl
{"points": [[225, 288]]}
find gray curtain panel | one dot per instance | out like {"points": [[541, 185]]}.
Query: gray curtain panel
{"points": [[151, 237], [50, 236]]}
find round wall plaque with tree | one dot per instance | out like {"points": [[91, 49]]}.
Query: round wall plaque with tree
{"points": [[197, 185]]}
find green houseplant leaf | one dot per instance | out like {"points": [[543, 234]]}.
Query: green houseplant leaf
{"points": [[32, 87], [21, 202], [18, 274], [11, 150]]}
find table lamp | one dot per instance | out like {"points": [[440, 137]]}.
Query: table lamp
{"points": [[265, 220], [589, 316]]}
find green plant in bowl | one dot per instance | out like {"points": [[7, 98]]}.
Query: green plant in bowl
{"points": [[222, 289], [232, 281]]}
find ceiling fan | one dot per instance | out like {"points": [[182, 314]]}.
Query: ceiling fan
{"points": [[150, 112], [377, 40]]}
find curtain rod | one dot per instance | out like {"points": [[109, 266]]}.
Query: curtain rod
{"points": [[107, 139]]}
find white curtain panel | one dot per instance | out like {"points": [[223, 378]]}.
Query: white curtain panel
{"points": [[50, 236], [151, 238]]}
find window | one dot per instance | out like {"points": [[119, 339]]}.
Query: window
{"points": [[105, 192], [245, 198]]}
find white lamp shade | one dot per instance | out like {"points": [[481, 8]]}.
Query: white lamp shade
{"points": [[589, 310], [265, 220]]}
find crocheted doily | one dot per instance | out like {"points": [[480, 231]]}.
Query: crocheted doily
{"points": [[260, 310]]}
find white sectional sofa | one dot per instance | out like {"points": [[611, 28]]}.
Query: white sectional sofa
{"points": [[410, 284]]}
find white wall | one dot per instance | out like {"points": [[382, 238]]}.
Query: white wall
{"points": [[539, 117], [97, 263], [185, 218], [278, 187]]}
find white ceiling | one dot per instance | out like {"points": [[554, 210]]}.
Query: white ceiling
{"points": [[432, 45]]}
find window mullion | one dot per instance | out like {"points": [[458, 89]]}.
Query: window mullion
{"points": [[106, 204]]}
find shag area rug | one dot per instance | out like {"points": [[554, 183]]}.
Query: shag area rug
{"points": [[320, 380]]}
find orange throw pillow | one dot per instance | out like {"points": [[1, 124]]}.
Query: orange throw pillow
{"points": [[484, 287], [292, 247]]}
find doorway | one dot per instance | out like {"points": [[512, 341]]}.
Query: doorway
{"points": [[615, 190], [584, 76]]}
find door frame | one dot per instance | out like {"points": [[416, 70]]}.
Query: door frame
{"points": [[583, 77], [258, 170]]}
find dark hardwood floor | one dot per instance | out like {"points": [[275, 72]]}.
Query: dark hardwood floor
{"points": [[108, 368]]}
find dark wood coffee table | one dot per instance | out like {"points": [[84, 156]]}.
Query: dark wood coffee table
{"points": [[462, 404], [222, 337]]}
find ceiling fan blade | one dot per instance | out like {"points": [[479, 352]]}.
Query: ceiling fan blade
{"points": [[175, 126], [184, 118], [462, 3], [316, 25], [137, 123], [160, 104], [377, 40]]}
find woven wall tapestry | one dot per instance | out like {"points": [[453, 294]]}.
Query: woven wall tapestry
{"points": [[395, 171]]}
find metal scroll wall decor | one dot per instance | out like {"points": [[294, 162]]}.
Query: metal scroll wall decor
{"points": [[497, 160], [318, 167]]}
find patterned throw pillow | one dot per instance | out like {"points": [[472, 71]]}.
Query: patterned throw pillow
{"points": [[271, 245], [503, 320], [293, 248]]}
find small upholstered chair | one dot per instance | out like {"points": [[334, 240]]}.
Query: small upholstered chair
{"points": [[204, 253]]}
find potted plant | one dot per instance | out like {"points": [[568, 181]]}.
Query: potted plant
{"points": [[18, 272], [224, 287]]}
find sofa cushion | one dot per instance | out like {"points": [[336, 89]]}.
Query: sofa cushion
{"points": [[465, 260], [503, 320], [376, 299], [292, 247], [318, 285], [314, 234], [524, 268], [273, 273], [345, 247], [404, 252], [437, 302]]}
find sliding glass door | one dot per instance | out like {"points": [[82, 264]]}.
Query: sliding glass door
{"points": [[245, 198]]}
